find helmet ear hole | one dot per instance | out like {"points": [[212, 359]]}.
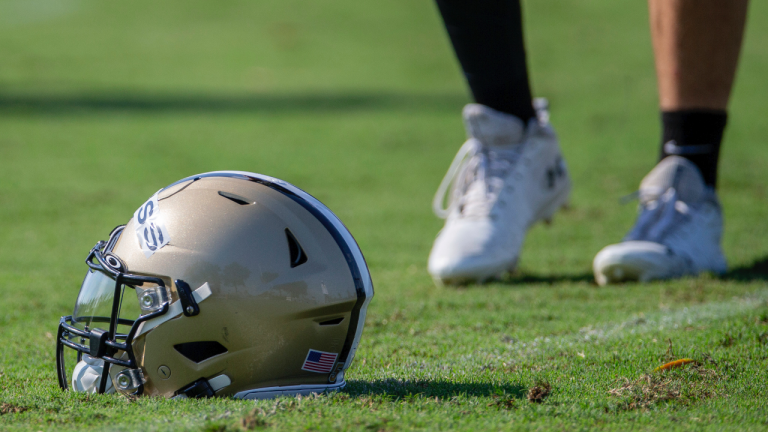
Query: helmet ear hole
{"points": [[200, 351], [330, 322], [298, 257]]}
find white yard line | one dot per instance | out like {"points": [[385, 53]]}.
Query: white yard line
{"points": [[690, 316]]}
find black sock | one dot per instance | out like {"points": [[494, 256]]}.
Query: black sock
{"points": [[695, 135], [487, 36]]}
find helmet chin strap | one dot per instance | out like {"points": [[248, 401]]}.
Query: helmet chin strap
{"points": [[87, 376]]}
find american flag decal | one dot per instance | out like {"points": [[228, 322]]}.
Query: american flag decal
{"points": [[318, 361]]}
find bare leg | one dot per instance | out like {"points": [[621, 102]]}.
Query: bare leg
{"points": [[678, 232], [696, 45]]}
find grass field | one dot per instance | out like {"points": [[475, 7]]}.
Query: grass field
{"points": [[358, 103]]}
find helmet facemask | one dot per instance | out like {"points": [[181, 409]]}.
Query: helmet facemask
{"points": [[105, 306]]}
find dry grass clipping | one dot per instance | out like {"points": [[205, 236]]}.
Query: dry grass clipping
{"points": [[650, 389], [7, 408], [675, 364], [503, 402]]}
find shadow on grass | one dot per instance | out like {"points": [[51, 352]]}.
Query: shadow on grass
{"points": [[51, 104], [403, 388], [523, 277], [757, 271]]}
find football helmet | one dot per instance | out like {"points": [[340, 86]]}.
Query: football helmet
{"points": [[227, 283]]}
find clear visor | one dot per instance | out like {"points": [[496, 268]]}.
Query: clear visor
{"points": [[94, 303]]}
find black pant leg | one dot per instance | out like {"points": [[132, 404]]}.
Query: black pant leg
{"points": [[487, 36]]}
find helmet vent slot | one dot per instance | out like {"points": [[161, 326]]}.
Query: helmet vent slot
{"points": [[236, 198], [200, 351], [298, 257], [335, 321]]}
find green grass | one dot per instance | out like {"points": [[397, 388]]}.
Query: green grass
{"points": [[102, 103]]}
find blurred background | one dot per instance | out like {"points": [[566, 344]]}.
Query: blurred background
{"points": [[358, 103]]}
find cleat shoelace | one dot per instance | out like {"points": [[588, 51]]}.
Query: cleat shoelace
{"points": [[477, 174]]}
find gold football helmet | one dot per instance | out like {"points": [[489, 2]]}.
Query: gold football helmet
{"points": [[227, 284]]}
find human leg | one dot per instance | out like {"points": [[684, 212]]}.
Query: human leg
{"points": [[487, 37], [696, 45], [678, 231], [509, 174]]}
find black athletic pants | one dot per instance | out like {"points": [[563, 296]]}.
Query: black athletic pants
{"points": [[487, 36]]}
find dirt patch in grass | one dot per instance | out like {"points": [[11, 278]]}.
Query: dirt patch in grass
{"points": [[538, 392], [7, 408], [684, 386], [253, 420], [503, 402]]}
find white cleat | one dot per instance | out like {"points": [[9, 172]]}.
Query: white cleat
{"points": [[505, 178], [676, 234]]}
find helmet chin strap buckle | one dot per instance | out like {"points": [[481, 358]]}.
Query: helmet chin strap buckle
{"points": [[198, 389], [203, 388], [188, 304]]}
